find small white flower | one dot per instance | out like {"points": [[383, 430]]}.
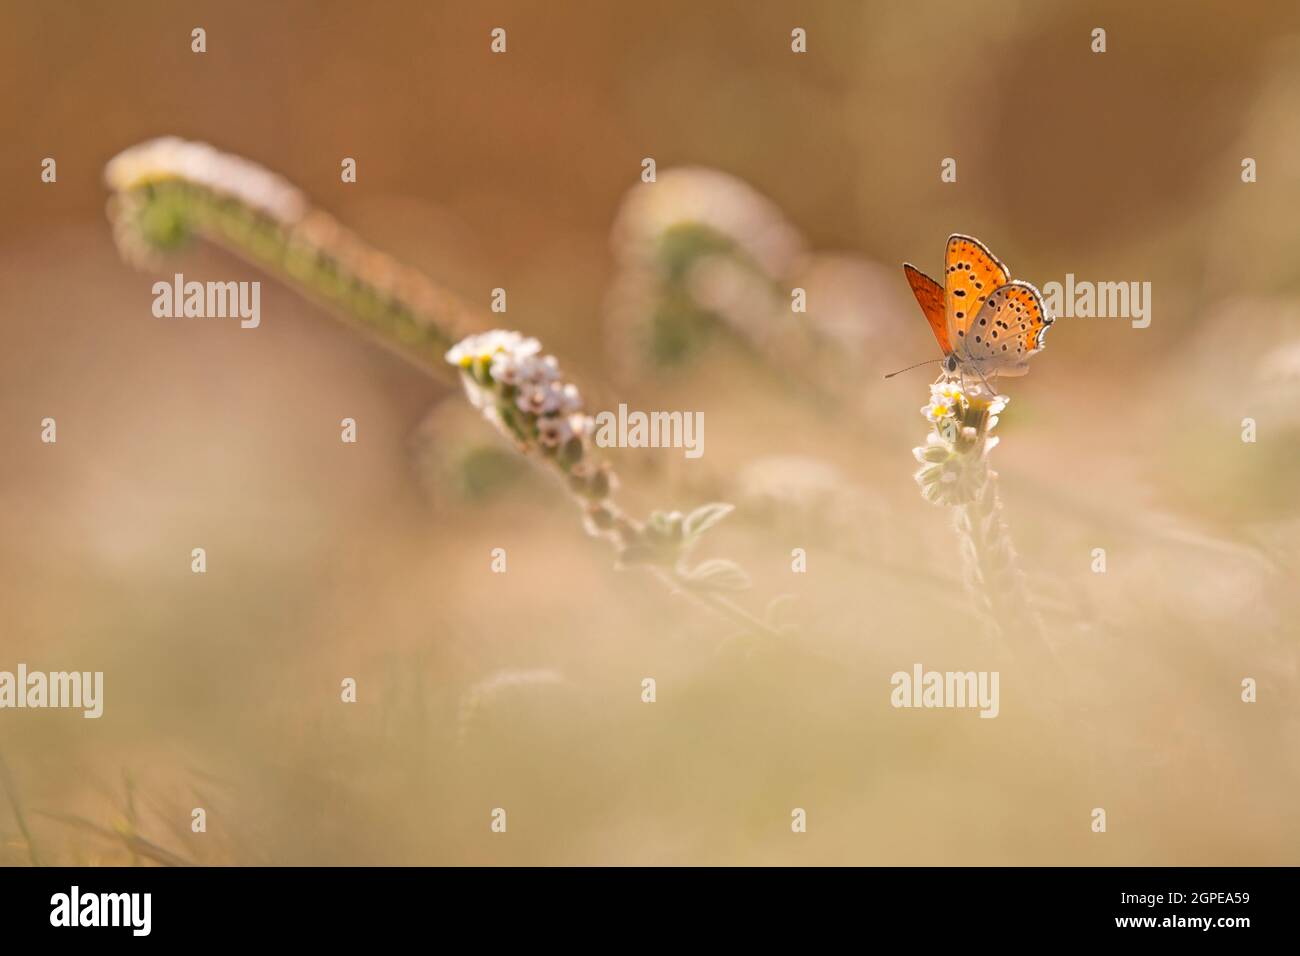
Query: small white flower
{"points": [[949, 390], [946, 401], [514, 368], [582, 425], [570, 399], [504, 369], [553, 431], [540, 369], [487, 345], [939, 409], [462, 353], [519, 376], [546, 399]]}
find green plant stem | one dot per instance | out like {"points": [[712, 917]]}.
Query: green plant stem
{"points": [[315, 256]]}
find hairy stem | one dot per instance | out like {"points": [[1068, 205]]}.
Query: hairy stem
{"points": [[955, 472], [167, 192], [992, 572]]}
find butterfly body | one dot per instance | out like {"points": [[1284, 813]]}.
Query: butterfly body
{"points": [[985, 322]]}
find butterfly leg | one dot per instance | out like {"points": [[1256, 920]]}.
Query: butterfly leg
{"points": [[992, 390]]}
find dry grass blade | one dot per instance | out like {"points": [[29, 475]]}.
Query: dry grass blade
{"points": [[133, 843], [6, 781]]}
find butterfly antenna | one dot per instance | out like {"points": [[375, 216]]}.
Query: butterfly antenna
{"points": [[910, 367]]}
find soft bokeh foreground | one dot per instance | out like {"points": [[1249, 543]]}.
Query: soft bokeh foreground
{"points": [[523, 690]]}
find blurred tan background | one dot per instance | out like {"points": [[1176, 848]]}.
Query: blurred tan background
{"points": [[522, 690]]}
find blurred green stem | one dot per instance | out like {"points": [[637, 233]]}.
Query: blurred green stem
{"points": [[160, 203]]}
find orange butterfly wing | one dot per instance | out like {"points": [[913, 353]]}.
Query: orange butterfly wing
{"points": [[971, 273], [929, 296], [1010, 327]]}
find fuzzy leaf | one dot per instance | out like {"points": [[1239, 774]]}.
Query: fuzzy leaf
{"points": [[664, 523], [778, 613], [705, 517], [717, 574], [637, 554]]}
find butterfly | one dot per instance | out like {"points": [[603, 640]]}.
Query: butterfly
{"points": [[986, 322]]}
